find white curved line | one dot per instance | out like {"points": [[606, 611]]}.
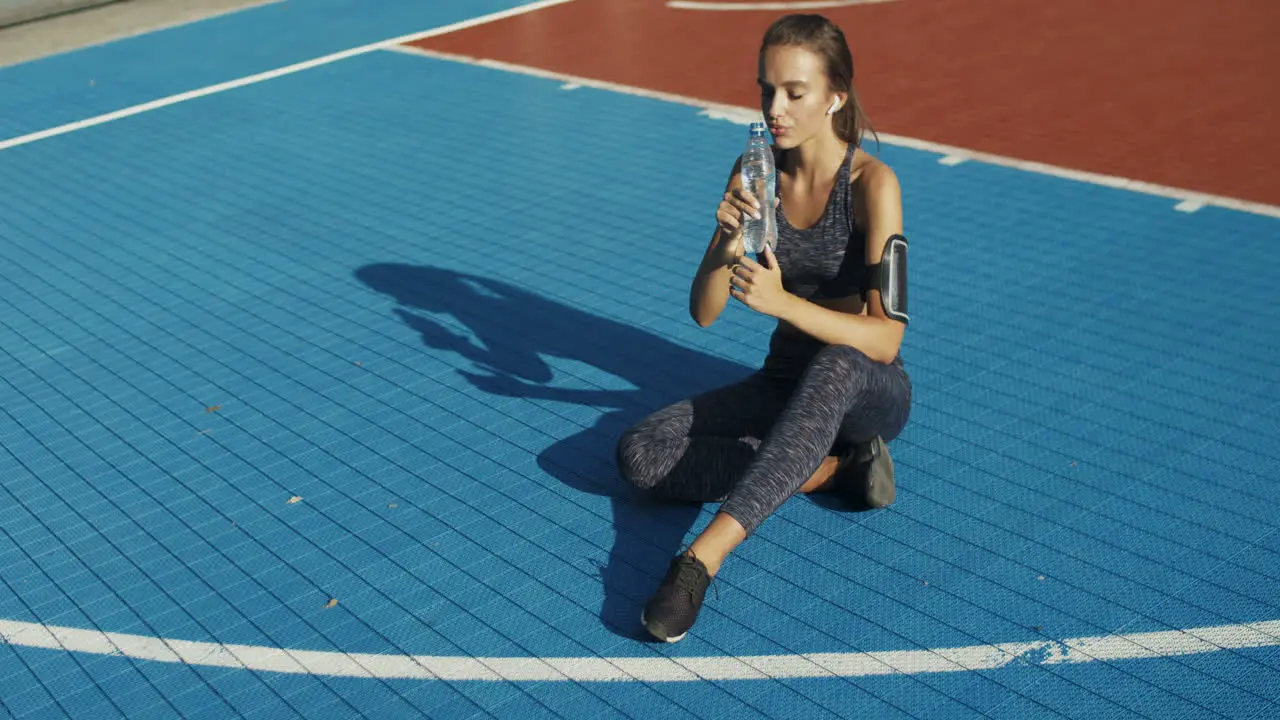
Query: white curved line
{"points": [[1158, 644], [727, 6]]}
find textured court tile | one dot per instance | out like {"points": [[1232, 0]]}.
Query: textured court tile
{"points": [[333, 287]]}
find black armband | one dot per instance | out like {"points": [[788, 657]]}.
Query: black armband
{"points": [[889, 276]]}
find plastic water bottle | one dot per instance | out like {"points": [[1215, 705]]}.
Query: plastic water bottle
{"points": [[759, 177]]}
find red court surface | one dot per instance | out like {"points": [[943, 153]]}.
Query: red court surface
{"points": [[1173, 92]]}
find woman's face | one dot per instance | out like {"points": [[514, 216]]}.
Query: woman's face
{"points": [[795, 94]]}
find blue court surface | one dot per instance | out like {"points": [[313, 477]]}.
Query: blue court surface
{"points": [[309, 390]]}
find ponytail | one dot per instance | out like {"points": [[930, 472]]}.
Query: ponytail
{"points": [[851, 122]]}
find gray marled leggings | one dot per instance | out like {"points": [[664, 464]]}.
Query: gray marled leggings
{"points": [[753, 444]]}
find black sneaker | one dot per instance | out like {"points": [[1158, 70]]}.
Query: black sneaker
{"points": [[864, 478], [674, 607]]}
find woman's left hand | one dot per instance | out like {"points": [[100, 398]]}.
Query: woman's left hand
{"points": [[759, 285]]}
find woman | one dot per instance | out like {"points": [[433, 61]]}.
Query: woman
{"points": [[832, 389]]}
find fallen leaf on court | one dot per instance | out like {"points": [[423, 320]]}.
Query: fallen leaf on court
{"points": [[294, 499], [332, 602], [213, 408]]}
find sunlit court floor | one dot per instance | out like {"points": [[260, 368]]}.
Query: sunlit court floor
{"points": [[319, 321]]}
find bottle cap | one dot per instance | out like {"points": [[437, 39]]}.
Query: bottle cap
{"points": [[759, 129]]}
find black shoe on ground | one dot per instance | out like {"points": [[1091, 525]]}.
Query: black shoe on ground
{"points": [[864, 478], [674, 607]]}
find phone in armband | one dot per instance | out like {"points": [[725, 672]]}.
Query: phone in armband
{"points": [[889, 276]]}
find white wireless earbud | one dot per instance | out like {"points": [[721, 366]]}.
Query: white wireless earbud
{"points": [[834, 106]]}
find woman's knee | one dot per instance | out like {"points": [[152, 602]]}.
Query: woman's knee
{"points": [[643, 450], [842, 364], [636, 458], [840, 357]]}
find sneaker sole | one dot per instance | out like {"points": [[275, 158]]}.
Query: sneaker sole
{"points": [[660, 635]]}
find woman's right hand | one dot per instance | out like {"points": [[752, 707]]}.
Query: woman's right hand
{"points": [[731, 215], [711, 284], [736, 205]]}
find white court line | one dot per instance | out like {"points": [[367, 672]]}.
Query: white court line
{"points": [[270, 74], [1190, 200], [1130, 646], [781, 6]]}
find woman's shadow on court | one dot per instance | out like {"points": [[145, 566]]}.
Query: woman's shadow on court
{"points": [[515, 329]]}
